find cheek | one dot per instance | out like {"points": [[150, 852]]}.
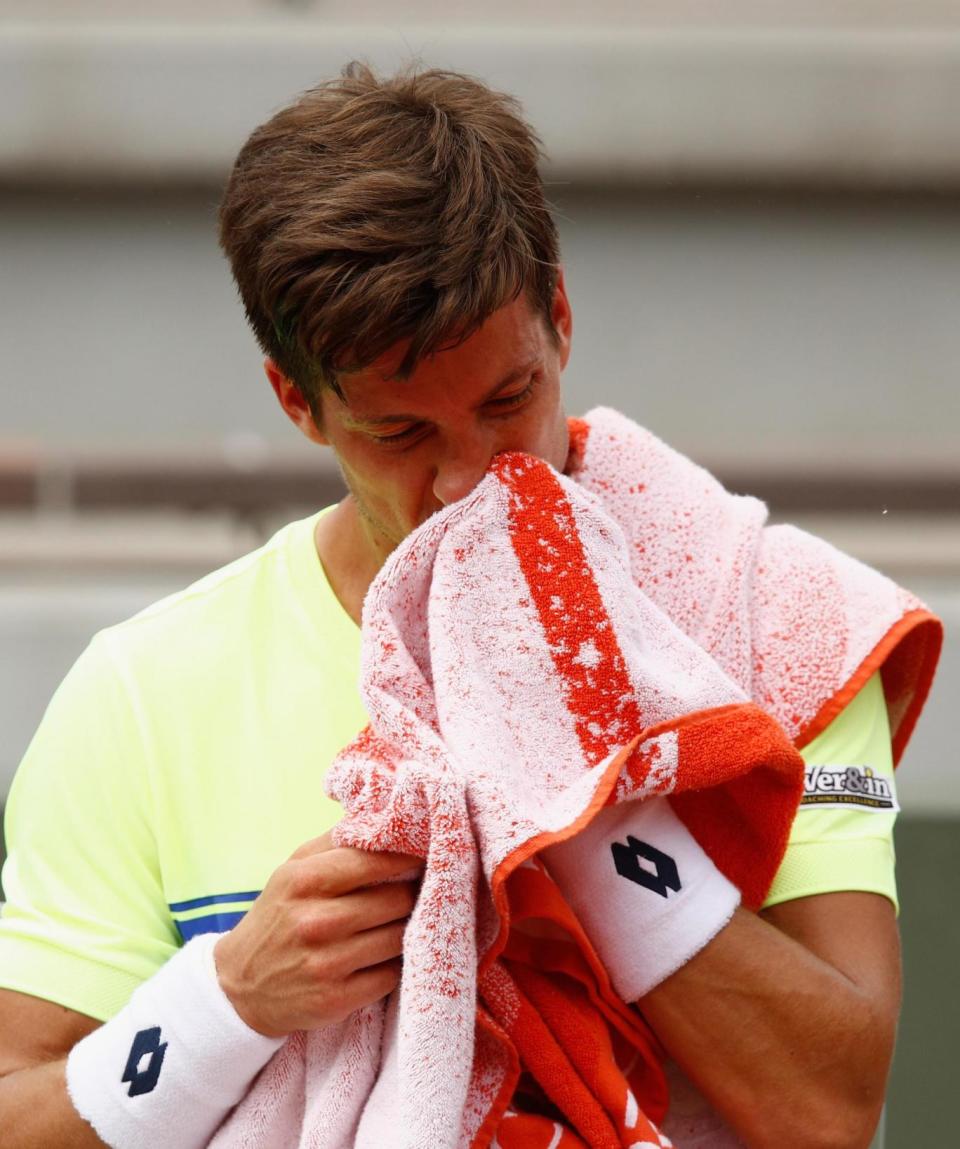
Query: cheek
{"points": [[365, 469], [553, 438], [395, 484]]}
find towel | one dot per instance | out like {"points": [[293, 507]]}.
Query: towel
{"points": [[522, 669], [797, 623]]}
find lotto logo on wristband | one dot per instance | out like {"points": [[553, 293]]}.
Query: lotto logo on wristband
{"points": [[661, 880], [147, 1043]]}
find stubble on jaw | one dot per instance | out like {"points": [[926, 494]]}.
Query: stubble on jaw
{"points": [[373, 541], [381, 540]]}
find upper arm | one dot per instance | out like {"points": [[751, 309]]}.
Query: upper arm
{"points": [[835, 893], [855, 933], [842, 834], [34, 1031], [85, 919]]}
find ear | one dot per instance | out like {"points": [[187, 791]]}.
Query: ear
{"points": [[562, 318], [294, 404]]}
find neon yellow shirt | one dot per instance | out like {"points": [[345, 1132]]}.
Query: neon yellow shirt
{"points": [[182, 760], [842, 836]]}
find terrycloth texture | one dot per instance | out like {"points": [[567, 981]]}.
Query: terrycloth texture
{"points": [[798, 624], [517, 681], [645, 919], [172, 1062]]}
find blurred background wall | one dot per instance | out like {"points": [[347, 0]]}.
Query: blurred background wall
{"points": [[762, 240]]}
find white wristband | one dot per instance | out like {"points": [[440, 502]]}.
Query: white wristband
{"points": [[646, 894], [172, 1063]]}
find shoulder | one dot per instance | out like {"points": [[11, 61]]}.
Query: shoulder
{"points": [[235, 582], [215, 617]]}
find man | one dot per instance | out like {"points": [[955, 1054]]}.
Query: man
{"points": [[400, 268]]}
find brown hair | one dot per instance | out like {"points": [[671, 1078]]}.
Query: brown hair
{"points": [[371, 211]]}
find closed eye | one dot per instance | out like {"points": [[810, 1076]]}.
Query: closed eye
{"points": [[499, 405], [395, 438], [516, 399]]}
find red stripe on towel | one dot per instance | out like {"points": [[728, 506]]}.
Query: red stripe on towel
{"points": [[582, 643]]}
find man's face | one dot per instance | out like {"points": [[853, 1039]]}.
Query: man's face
{"points": [[410, 446]]}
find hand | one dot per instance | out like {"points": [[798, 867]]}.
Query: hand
{"points": [[323, 939]]}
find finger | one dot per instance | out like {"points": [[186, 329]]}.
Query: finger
{"points": [[343, 869], [384, 866], [384, 943], [349, 914], [370, 985], [332, 967], [314, 846]]}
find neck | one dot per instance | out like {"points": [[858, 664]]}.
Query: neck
{"points": [[350, 555]]}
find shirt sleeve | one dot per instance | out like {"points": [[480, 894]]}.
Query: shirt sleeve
{"points": [[842, 835], [85, 919]]}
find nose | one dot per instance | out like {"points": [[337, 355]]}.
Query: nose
{"points": [[462, 465]]}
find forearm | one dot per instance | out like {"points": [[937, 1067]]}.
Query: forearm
{"points": [[36, 1111], [784, 1045]]}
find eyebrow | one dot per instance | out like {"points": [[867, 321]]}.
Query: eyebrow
{"points": [[360, 421]]}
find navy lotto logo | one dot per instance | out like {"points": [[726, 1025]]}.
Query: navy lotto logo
{"points": [[144, 1062], [847, 786], [661, 880]]}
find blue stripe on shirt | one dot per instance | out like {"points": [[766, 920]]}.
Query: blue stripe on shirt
{"points": [[212, 900], [210, 924]]}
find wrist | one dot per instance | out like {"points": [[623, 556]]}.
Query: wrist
{"points": [[645, 892], [235, 986], [172, 1063]]}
